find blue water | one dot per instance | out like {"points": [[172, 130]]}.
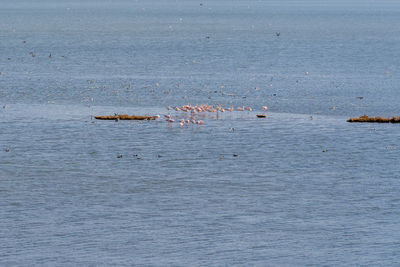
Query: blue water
{"points": [[301, 187]]}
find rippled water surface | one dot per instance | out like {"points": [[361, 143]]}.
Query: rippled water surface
{"points": [[300, 187]]}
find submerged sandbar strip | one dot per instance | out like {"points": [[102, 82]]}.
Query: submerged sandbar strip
{"points": [[378, 119], [126, 117]]}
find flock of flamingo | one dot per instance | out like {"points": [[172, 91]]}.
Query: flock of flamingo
{"points": [[188, 114]]}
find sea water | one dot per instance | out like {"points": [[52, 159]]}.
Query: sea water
{"points": [[299, 187]]}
